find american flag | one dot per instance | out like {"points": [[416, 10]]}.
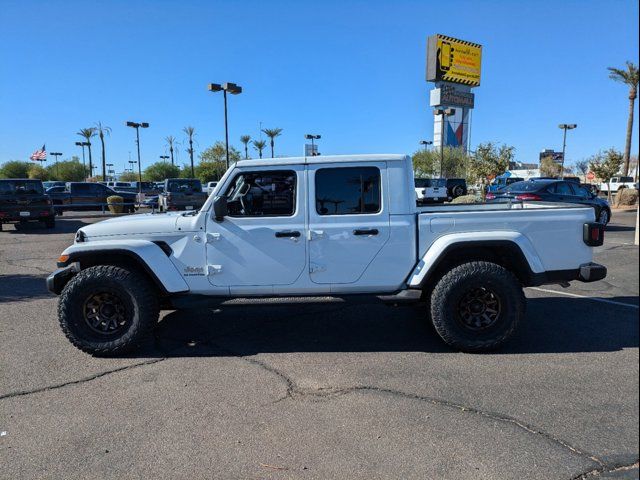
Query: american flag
{"points": [[39, 155]]}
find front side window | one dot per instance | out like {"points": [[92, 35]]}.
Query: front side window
{"points": [[348, 191], [260, 194]]}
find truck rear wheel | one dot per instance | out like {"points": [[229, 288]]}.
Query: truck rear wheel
{"points": [[107, 310], [477, 306]]}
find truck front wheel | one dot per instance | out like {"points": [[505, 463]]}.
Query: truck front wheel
{"points": [[477, 306], [107, 310]]}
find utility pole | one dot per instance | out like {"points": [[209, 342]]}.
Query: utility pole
{"points": [[565, 127], [443, 112]]}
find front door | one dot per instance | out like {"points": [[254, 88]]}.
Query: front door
{"points": [[261, 242], [348, 220]]}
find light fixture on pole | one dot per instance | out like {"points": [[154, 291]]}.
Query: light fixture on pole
{"points": [[312, 137], [233, 89], [56, 154], [137, 126], [426, 143], [84, 166], [443, 112], [164, 158], [110, 170], [565, 127]]}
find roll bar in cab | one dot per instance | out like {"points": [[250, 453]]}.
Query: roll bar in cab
{"points": [[318, 226]]}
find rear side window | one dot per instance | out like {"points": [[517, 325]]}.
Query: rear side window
{"points": [[260, 194], [348, 191], [562, 188]]}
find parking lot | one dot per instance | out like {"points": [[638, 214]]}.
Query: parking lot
{"points": [[317, 391]]}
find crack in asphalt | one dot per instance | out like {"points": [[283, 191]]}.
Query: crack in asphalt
{"points": [[606, 469]]}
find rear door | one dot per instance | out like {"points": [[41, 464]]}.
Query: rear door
{"points": [[348, 220]]}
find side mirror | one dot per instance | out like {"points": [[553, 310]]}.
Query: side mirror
{"points": [[220, 208]]}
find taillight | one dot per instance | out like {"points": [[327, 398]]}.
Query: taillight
{"points": [[528, 197], [593, 234], [490, 196]]}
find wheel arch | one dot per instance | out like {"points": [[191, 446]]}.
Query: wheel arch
{"points": [[507, 252], [149, 258]]}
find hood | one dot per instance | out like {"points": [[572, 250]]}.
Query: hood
{"points": [[147, 223]]}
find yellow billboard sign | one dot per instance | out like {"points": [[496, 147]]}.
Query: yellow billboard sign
{"points": [[453, 60]]}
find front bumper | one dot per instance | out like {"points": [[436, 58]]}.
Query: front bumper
{"points": [[58, 279]]}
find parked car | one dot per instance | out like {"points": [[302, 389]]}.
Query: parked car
{"points": [[591, 187], [148, 188], [88, 196], [501, 182], [53, 183], [616, 184], [456, 187], [430, 190], [123, 186], [24, 200], [553, 191], [318, 226], [181, 194], [210, 187]]}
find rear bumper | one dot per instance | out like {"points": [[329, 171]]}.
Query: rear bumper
{"points": [[58, 279], [587, 272], [34, 215]]}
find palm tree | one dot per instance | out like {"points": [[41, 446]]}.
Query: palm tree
{"points": [[87, 133], [171, 141], [190, 131], [102, 130], [259, 145], [628, 77], [272, 133], [245, 139]]}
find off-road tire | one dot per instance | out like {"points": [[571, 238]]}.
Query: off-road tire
{"points": [[449, 292], [133, 289], [457, 191]]}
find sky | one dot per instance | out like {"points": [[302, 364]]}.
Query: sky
{"points": [[351, 71]]}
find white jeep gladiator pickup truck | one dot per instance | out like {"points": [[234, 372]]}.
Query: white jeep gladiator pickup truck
{"points": [[322, 226]]}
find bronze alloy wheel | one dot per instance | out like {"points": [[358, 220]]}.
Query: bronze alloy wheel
{"points": [[479, 309], [105, 313]]}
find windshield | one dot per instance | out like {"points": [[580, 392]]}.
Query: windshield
{"points": [[430, 182], [522, 187], [21, 187], [184, 185]]}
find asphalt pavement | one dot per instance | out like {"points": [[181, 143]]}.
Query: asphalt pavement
{"points": [[321, 391]]}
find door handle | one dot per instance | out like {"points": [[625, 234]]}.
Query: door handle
{"points": [[287, 234], [366, 231]]}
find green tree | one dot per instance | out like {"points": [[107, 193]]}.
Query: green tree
{"points": [[213, 162], [455, 162], [171, 141], [489, 161], [629, 77], [606, 165], [70, 170], [15, 169], [102, 131], [161, 170], [259, 145], [190, 132], [272, 133], [128, 177], [550, 168], [87, 134], [245, 139], [37, 171]]}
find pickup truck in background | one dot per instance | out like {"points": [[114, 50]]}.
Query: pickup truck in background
{"points": [[181, 194], [87, 196], [316, 226], [24, 200], [431, 190], [616, 184]]}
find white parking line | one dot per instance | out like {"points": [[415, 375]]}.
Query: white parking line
{"points": [[575, 295]]}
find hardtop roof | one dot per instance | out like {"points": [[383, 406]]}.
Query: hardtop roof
{"points": [[321, 159]]}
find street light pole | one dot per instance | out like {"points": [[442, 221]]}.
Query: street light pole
{"points": [[233, 89], [442, 112], [425, 143], [565, 127], [137, 126], [84, 166], [164, 158], [312, 137], [56, 154]]}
